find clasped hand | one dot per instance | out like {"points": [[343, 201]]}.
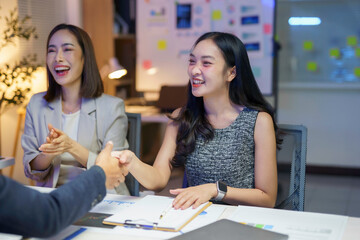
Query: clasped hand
{"points": [[114, 171]]}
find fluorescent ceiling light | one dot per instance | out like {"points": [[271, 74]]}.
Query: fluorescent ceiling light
{"points": [[307, 21]]}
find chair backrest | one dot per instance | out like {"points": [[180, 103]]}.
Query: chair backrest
{"points": [[291, 159], [133, 138], [172, 97]]}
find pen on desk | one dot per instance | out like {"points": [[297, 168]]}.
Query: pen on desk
{"points": [[165, 211]]}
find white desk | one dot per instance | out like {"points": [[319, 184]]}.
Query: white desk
{"points": [[351, 232], [6, 161]]}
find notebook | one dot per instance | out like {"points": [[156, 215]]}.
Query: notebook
{"points": [[155, 212], [228, 230]]}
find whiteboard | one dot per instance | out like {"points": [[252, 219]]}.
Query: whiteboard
{"points": [[167, 29]]}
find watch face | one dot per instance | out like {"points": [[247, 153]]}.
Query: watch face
{"points": [[222, 186]]}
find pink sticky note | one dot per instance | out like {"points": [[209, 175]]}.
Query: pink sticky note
{"points": [[267, 28], [147, 64]]}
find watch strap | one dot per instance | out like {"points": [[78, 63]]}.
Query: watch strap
{"points": [[220, 194]]}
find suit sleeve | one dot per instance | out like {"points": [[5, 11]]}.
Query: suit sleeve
{"points": [[29, 141], [27, 212]]}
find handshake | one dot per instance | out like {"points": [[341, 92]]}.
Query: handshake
{"points": [[115, 168]]}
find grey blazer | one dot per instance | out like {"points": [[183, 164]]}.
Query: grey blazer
{"points": [[101, 119]]}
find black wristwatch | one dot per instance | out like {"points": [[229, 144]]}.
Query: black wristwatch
{"points": [[221, 190]]}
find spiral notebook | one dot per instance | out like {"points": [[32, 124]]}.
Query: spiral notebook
{"points": [[155, 212]]}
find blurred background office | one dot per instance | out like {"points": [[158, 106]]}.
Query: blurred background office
{"points": [[316, 79]]}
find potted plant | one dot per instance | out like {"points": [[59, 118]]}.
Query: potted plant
{"points": [[15, 79]]}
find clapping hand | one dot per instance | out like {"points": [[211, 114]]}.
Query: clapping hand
{"points": [[57, 142]]}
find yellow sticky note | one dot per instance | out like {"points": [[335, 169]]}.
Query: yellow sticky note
{"points": [[276, 37], [308, 45], [311, 66], [216, 15], [357, 52], [357, 72], [334, 52], [351, 40], [162, 45]]}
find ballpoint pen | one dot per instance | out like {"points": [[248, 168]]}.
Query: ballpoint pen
{"points": [[165, 211]]}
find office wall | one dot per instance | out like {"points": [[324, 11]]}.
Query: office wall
{"points": [[324, 99], [166, 31], [332, 118]]}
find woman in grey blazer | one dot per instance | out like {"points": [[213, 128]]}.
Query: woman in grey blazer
{"points": [[68, 125]]}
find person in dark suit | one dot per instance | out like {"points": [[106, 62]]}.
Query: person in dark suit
{"points": [[27, 212]]}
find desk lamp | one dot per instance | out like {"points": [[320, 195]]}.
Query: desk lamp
{"points": [[113, 70]]}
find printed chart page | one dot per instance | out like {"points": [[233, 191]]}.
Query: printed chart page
{"points": [[298, 225]]}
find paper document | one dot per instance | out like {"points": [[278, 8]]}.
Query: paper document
{"points": [[298, 225], [155, 212], [113, 203]]}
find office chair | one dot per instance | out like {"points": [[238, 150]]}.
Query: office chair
{"points": [[133, 138], [293, 148], [171, 97], [292, 172]]}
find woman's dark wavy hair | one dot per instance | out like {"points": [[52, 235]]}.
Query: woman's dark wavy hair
{"points": [[91, 84], [243, 90]]}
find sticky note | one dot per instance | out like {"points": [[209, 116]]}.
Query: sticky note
{"points": [[311, 66], [216, 15], [147, 64], [351, 40], [267, 28], [276, 37], [334, 52], [357, 72], [162, 45], [308, 45], [268, 227], [357, 52]]}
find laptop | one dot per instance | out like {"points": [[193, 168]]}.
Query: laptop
{"points": [[225, 229]]}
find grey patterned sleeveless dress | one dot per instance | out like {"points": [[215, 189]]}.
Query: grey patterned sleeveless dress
{"points": [[229, 156]]}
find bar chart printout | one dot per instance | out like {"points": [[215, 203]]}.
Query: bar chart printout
{"points": [[298, 225]]}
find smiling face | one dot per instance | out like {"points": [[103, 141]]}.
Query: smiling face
{"points": [[208, 72], [65, 59]]}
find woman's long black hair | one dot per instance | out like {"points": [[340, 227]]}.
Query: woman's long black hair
{"points": [[243, 90]]}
